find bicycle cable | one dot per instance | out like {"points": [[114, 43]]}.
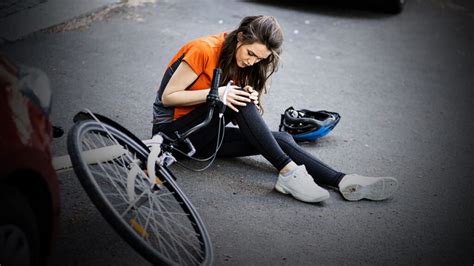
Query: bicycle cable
{"points": [[218, 145], [219, 142]]}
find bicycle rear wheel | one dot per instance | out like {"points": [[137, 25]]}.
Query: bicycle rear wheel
{"points": [[158, 221]]}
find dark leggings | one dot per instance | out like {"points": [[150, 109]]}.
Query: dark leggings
{"points": [[252, 137]]}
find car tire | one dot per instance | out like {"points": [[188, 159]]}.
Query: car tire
{"points": [[19, 234]]}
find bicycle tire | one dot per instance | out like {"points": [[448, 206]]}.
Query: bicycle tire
{"points": [[177, 234]]}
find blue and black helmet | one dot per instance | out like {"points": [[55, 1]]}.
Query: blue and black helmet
{"points": [[306, 125]]}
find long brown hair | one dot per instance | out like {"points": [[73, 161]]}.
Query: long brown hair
{"points": [[262, 29]]}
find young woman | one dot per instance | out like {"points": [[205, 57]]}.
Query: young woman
{"points": [[248, 56]]}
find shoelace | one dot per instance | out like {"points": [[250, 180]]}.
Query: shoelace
{"points": [[305, 176]]}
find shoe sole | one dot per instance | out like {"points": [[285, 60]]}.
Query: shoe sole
{"points": [[381, 189], [282, 189]]}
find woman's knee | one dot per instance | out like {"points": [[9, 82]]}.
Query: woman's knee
{"points": [[248, 115], [284, 137], [250, 108]]}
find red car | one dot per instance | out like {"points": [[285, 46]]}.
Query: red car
{"points": [[29, 189]]}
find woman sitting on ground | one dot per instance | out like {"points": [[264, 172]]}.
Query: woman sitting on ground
{"points": [[248, 56]]}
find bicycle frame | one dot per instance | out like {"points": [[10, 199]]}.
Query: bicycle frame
{"points": [[63, 163], [155, 173]]}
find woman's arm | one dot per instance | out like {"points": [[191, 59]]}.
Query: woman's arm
{"points": [[175, 93]]}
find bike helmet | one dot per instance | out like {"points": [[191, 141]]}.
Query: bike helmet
{"points": [[306, 125]]}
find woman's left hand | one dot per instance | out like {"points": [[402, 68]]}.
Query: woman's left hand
{"points": [[253, 95]]}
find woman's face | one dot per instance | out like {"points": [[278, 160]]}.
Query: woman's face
{"points": [[250, 54]]}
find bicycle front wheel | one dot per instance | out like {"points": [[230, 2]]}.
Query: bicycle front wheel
{"points": [[157, 220]]}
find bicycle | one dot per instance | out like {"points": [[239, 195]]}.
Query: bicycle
{"points": [[130, 183]]}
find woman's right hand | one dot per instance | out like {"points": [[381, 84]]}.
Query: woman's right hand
{"points": [[235, 97]]}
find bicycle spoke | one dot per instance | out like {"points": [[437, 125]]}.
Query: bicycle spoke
{"points": [[111, 179], [166, 214], [172, 232], [176, 223], [160, 215], [168, 232], [177, 239], [132, 204]]}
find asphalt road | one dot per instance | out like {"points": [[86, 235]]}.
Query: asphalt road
{"points": [[403, 85]]}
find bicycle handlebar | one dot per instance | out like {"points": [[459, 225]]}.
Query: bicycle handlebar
{"points": [[212, 100], [213, 96]]}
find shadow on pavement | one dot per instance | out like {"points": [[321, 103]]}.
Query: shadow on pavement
{"points": [[365, 9]]}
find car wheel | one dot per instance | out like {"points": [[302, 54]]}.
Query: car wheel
{"points": [[19, 235]]}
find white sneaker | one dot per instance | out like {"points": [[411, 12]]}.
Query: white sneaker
{"points": [[301, 186], [356, 187]]}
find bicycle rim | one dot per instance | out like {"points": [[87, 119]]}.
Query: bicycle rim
{"points": [[161, 224]]}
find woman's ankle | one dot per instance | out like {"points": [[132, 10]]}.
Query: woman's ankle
{"points": [[288, 167]]}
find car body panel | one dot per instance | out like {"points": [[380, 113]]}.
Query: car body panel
{"points": [[26, 134]]}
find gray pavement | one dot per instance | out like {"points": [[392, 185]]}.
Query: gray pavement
{"points": [[402, 84], [23, 17]]}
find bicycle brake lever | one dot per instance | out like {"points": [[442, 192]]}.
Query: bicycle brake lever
{"points": [[191, 146]]}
